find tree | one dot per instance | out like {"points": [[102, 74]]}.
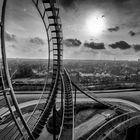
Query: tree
{"points": [[24, 71]]}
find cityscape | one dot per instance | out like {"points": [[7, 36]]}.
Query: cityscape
{"points": [[93, 74]]}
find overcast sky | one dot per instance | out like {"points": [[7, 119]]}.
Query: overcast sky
{"points": [[118, 37]]}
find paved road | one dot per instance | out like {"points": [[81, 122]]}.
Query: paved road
{"points": [[126, 94], [96, 91]]}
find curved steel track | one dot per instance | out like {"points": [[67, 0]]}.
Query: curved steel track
{"points": [[31, 127], [67, 132]]}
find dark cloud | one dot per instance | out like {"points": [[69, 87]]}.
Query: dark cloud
{"points": [[72, 42], [10, 37], [72, 3], [137, 48], [114, 29], [67, 3], [132, 33], [121, 1], [129, 9], [94, 45], [121, 45], [37, 41]]}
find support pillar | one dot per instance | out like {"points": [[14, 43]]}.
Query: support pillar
{"points": [[54, 122], [75, 97]]}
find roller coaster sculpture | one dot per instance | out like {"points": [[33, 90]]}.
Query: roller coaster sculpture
{"points": [[17, 124]]}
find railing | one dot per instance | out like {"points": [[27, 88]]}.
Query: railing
{"points": [[110, 124], [68, 122], [62, 107], [11, 102], [37, 119], [132, 120]]}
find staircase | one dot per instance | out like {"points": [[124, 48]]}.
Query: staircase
{"points": [[54, 25]]}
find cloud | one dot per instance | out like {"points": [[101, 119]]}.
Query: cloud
{"points": [[137, 47], [72, 3], [121, 45], [72, 42], [114, 29], [37, 41], [132, 33], [93, 45], [10, 37]]}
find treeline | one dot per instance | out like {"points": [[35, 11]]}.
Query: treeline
{"points": [[24, 71]]}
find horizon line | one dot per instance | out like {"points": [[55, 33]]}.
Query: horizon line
{"points": [[75, 59]]}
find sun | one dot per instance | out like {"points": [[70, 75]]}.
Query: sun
{"points": [[95, 24]]}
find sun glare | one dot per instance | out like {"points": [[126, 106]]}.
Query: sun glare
{"points": [[95, 24]]}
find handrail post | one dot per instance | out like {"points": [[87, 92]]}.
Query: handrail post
{"points": [[62, 95], [75, 97], [54, 122]]}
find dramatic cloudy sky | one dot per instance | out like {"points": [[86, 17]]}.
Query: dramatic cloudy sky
{"points": [[93, 29]]}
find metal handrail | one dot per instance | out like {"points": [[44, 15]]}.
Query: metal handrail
{"points": [[126, 124], [65, 71], [61, 128], [7, 75], [91, 97], [66, 79], [108, 123]]}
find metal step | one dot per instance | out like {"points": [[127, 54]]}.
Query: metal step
{"points": [[57, 37], [68, 113], [69, 118], [69, 97], [58, 43], [69, 123], [53, 17], [57, 55], [40, 126], [69, 104], [56, 31], [68, 109], [56, 65], [57, 49], [55, 24], [48, 1], [52, 9]]}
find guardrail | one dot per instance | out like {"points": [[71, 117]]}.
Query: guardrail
{"points": [[98, 134]]}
